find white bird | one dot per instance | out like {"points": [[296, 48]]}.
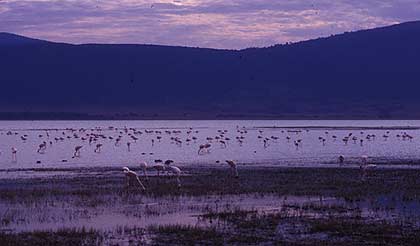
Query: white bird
{"points": [[159, 167], [204, 148], [365, 167], [42, 147], [131, 175], [143, 166], [77, 151], [14, 154], [176, 171], [233, 168], [98, 148]]}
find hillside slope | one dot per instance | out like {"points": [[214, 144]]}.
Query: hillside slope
{"points": [[365, 74]]}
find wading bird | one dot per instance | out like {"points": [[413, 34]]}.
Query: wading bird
{"points": [[98, 148], [77, 151], [132, 176], [233, 168], [159, 167], [176, 171], [168, 162], [204, 148], [143, 166], [341, 159], [14, 154], [365, 167], [42, 147]]}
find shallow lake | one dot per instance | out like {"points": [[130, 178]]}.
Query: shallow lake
{"points": [[180, 141]]}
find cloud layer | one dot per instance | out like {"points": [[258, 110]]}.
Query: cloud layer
{"points": [[232, 24]]}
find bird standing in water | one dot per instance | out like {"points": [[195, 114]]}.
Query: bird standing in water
{"points": [[132, 176], [233, 168], [341, 159], [77, 151], [14, 154]]}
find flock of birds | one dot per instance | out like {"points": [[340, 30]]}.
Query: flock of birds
{"points": [[97, 137], [133, 177]]}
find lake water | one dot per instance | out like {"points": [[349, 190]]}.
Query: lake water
{"points": [[278, 150]]}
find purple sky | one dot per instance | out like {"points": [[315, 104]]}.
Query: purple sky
{"points": [[232, 24]]}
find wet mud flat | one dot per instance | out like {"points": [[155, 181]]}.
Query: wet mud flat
{"points": [[264, 206]]}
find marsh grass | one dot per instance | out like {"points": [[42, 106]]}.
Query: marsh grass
{"points": [[357, 231], [333, 182], [185, 235], [252, 228], [343, 224], [240, 227], [46, 238]]}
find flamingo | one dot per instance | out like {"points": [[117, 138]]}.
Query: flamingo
{"points": [[297, 145], [233, 168], [77, 151], [159, 167], [143, 166], [131, 175], [42, 147], [341, 159], [168, 162], [204, 147], [117, 141], [364, 166], [265, 143], [98, 148], [14, 154], [176, 171]]}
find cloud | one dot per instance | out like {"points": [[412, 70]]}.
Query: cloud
{"points": [[200, 23]]}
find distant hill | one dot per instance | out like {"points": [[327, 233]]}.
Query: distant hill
{"points": [[13, 39], [365, 74]]}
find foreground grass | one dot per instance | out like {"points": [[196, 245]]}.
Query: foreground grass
{"points": [[241, 227], [343, 183], [251, 228], [338, 225], [186, 235], [359, 232], [47, 238]]}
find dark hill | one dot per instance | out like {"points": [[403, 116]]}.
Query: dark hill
{"points": [[13, 39], [364, 74]]}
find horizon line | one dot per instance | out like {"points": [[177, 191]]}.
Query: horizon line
{"points": [[211, 48]]}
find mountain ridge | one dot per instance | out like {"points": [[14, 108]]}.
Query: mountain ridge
{"points": [[408, 24], [15, 39], [350, 75]]}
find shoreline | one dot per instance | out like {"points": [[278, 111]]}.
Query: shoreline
{"points": [[14, 116]]}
